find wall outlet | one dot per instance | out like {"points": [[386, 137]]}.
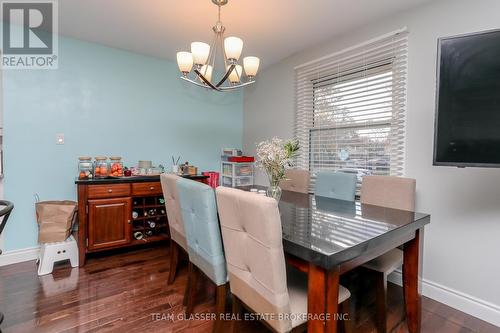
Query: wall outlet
{"points": [[59, 139]]}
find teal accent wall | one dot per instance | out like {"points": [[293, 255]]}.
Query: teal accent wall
{"points": [[106, 102]]}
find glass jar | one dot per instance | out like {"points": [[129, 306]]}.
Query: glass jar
{"points": [[101, 168], [116, 166], [85, 168]]}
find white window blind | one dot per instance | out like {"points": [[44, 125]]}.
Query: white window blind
{"points": [[351, 109]]}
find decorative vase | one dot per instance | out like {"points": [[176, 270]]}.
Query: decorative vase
{"points": [[274, 191]]}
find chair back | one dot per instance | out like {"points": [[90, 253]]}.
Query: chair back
{"points": [[389, 191], [336, 185], [204, 243], [251, 231], [5, 211], [296, 180], [175, 223]]}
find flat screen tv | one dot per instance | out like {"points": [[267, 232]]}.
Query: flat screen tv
{"points": [[467, 125]]}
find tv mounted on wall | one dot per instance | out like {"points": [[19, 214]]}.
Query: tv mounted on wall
{"points": [[467, 125]]}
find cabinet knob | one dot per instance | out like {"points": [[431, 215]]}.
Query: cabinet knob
{"points": [[110, 190], [152, 188], [128, 221]]}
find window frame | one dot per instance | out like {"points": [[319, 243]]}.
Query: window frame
{"points": [[307, 80]]}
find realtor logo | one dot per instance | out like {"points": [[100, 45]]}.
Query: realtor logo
{"points": [[29, 34]]}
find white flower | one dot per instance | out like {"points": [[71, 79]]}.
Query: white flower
{"points": [[274, 158]]}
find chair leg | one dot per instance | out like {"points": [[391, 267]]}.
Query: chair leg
{"points": [[174, 260], [299, 329], [348, 318], [381, 302], [236, 312], [193, 288], [220, 307], [188, 285]]}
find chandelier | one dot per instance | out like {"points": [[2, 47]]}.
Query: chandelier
{"points": [[203, 57]]}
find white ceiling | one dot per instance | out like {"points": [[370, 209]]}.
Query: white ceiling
{"points": [[271, 29]]}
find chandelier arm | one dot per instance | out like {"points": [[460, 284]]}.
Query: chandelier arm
{"points": [[193, 82], [205, 80], [236, 86], [224, 78], [223, 49], [221, 89]]}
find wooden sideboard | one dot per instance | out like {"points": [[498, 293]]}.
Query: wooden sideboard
{"points": [[105, 213]]}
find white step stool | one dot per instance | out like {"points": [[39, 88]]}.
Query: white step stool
{"points": [[54, 252]]}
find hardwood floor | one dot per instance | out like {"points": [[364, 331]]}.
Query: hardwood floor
{"points": [[128, 292]]}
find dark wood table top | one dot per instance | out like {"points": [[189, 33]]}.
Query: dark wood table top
{"points": [[329, 232]]}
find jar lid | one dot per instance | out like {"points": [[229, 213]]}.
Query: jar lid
{"points": [[115, 158], [101, 158], [84, 158]]}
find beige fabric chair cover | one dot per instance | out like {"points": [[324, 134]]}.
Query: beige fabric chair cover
{"points": [[175, 223], [251, 233], [252, 237], [297, 180], [387, 191], [391, 192]]}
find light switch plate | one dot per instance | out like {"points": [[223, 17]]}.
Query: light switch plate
{"points": [[60, 139]]}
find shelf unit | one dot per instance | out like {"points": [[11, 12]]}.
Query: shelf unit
{"points": [[235, 174], [149, 209]]}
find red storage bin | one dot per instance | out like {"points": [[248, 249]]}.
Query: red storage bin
{"points": [[241, 159], [213, 178]]}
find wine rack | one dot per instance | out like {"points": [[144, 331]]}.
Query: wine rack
{"points": [[149, 218]]}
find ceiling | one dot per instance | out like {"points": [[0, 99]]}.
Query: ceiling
{"points": [[271, 30]]}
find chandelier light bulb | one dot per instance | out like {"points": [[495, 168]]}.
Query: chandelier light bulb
{"points": [[235, 75], [200, 52], [251, 65], [233, 47], [185, 62], [206, 71]]}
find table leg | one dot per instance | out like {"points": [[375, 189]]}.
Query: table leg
{"points": [[332, 300], [410, 283], [316, 299], [322, 299]]}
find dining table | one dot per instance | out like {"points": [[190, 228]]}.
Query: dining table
{"points": [[326, 238]]}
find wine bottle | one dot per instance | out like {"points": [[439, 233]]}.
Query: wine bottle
{"points": [[151, 224], [149, 233], [138, 235]]}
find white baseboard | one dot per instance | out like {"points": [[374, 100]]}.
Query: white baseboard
{"points": [[466, 303], [17, 256]]}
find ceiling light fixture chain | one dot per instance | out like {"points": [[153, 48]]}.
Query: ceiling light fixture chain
{"points": [[203, 58]]}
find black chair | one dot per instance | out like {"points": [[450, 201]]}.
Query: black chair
{"points": [[6, 209]]}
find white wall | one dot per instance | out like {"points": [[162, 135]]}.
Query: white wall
{"points": [[462, 243]]}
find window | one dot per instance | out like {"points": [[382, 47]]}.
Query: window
{"points": [[351, 109]]}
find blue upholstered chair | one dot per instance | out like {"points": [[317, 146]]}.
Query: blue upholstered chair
{"points": [[204, 241], [336, 185]]}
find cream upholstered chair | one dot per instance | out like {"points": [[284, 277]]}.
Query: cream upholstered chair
{"points": [[396, 193], [252, 237], [297, 180], [175, 223]]}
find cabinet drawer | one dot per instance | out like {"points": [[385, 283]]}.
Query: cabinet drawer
{"points": [[108, 191], [150, 188]]}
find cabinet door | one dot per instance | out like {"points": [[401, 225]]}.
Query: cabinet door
{"points": [[109, 223]]}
